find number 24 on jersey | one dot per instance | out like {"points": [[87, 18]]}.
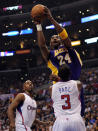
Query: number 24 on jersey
{"points": [[62, 59]]}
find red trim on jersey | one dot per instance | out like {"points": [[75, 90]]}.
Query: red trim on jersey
{"points": [[22, 120]]}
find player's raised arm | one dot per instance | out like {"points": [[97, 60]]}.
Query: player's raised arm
{"points": [[61, 31], [19, 98], [42, 42], [37, 13]]}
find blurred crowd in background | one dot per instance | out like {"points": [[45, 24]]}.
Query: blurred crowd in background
{"points": [[10, 86]]}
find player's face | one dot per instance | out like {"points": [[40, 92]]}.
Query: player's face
{"points": [[28, 86], [55, 42]]}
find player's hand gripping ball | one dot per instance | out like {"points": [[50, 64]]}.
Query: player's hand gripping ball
{"points": [[38, 13]]}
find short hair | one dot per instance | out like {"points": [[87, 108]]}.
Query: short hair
{"points": [[64, 72]]}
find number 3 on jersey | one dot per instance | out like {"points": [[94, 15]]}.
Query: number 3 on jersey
{"points": [[67, 102]]}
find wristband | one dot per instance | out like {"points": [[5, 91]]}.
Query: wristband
{"points": [[63, 35], [39, 27]]}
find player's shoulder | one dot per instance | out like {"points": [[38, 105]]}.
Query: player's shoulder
{"points": [[20, 97], [74, 81], [77, 84], [62, 82], [69, 81], [56, 84], [25, 95]]}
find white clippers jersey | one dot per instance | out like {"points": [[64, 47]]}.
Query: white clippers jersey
{"points": [[26, 112], [65, 96]]}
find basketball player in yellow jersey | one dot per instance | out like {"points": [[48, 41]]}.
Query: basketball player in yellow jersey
{"points": [[61, 50]]}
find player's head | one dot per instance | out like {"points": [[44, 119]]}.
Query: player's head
{"points": [[28, 86], [55, 42], [64, 72]]}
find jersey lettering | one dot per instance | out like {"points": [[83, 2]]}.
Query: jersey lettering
{"points": [[57, 52], [30, 108]]}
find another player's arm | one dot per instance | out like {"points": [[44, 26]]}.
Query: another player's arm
{"points": [[61, 31], [18, 99], [79, 85], [42, 42]]}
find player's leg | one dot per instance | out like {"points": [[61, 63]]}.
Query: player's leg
{"points": [[56, 126], [60, 124], [70, 123], [76, 123]]}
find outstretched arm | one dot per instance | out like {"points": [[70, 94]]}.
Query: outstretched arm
{"points": [[61, 31], [41, 40], [19, 98]]}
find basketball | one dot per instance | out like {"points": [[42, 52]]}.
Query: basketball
{"points": [[37, 12]]}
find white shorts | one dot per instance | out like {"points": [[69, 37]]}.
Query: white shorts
{"points": [[69, 123], [22, 128]]}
